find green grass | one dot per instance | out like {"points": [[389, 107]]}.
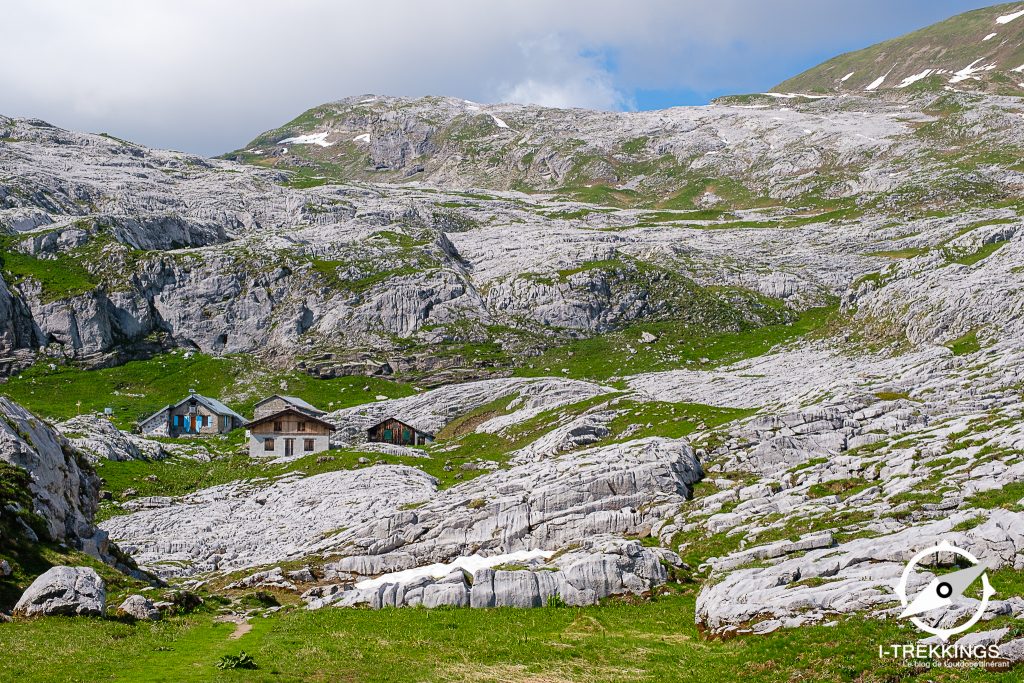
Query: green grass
{"points": [[139, 388], [671, 420], [973, 257], [909, 252], [618, 642], [965, 345], [1006, 497], [678, 345], [843, 488], [635, 145], [59, 278]]}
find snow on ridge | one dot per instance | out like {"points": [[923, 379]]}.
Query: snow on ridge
{"points": [[440, 570], [846, 77], [914, 79], [319, 139], [1007, 18], [498, 122], [989, 37], [791, 95], [365, 137], [969, 70]]}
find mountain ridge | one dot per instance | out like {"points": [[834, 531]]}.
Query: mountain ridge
{"points": [[980, 50]]}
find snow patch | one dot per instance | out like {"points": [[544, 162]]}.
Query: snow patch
{"points": [[365, 137], [498, 122], [989, 37], [877, 82], [846, 77], [319, 139], [1007, 18], [791, 95], [469, 564], [369, 99], [1019, 69], [969, 71], [914, 79]]}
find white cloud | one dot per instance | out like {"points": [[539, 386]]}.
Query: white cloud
{"points": [[559, 75], [208, 76]]}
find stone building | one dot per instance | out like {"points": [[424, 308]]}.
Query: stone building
{"points": [[286, 426], [196, 415]]}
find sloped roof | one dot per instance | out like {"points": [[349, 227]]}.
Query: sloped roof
{"points": [[162, 410], [293, 400], [213, 404], [400, 421], [301, 413]]}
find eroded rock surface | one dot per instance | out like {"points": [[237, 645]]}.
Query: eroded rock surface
{"points": [[64, 591]]}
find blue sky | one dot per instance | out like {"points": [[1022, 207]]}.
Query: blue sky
{"points": [[207, 77]]}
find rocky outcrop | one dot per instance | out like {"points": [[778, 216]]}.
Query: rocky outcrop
{"points": [[64, 487], [64, 591], [621, 489], [99, 439], [241, 525], [595, 569], [855, 576]]}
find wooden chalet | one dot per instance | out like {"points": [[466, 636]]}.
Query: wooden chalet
{"points": [[393, 430]]}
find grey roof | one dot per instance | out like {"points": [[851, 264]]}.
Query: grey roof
{"points": [[213, 404], [157, 413], [293, 400]]}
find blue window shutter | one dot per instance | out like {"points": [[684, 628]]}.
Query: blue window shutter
{"points": [[175, 420]]}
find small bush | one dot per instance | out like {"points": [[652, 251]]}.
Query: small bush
{"points": [[240, 661]]}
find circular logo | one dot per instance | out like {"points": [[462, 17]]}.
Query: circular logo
{"points": [[943, 591]]}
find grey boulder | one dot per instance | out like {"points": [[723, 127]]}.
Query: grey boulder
{"points": [[64, 591]]}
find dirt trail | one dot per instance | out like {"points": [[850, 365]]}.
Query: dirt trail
{"points": [[241, 625]]}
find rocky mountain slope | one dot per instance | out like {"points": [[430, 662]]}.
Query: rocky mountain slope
{"points": [[981, 50], [763, 351], [113, 251]]}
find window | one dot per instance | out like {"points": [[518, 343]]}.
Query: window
{"points": [[268, 444], [277, 425], [301, 427], [307, 444]]}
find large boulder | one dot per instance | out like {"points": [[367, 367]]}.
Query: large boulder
{"points": [[64, 591], [138, 607]]}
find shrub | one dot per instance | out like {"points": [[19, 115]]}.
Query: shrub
{"points": [[240, 661]]}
